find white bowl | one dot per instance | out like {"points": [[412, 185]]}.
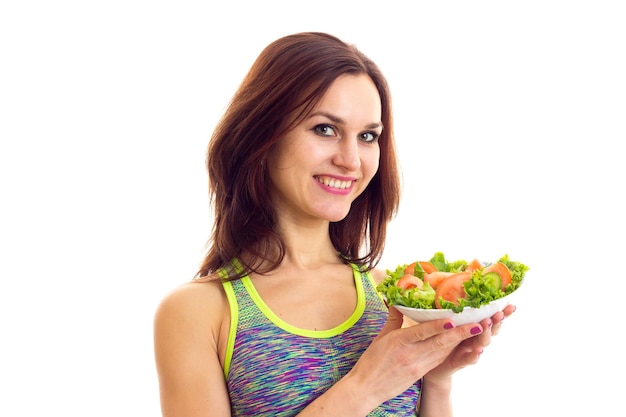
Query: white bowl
{"points": [[468, 315]]}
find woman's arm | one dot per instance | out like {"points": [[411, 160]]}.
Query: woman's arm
{"points": [[397, 358], [437, 384], [435, 399], [187, 326]]}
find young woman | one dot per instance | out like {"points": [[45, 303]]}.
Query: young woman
{"points": [[283, 318]]}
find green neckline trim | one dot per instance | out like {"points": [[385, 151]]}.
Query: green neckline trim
{"points": [[321, 334], [234, 319]]}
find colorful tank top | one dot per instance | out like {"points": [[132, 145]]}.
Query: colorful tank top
{"points": [[275, 369]]}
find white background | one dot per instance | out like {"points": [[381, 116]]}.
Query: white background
{"points": [[510, 121]]}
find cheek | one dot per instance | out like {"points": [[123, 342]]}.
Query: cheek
{"points": [[370, 163], [291, 151]]}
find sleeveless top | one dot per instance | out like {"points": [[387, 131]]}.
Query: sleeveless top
{"points": [[274, 369]]}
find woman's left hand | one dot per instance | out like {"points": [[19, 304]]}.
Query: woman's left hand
{"points": [[468, 352]]}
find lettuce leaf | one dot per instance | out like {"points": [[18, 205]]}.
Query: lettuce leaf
{"points": [[440, 262], [518, 270], [415, 297], [480, 289]]}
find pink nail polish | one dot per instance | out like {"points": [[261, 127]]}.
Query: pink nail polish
{"points": [[448, 325], [475, 330]]}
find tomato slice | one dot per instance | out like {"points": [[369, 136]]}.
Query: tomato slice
{"points": [[410, 269], [427, 267], [409, 281], [451, 289], [436, 277], [502, 270], [474, 265]]}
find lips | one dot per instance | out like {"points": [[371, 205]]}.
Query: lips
{"points": [[334, 182]]}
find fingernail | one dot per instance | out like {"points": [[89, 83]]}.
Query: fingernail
{"points": [[475, 330], [448, 325]]}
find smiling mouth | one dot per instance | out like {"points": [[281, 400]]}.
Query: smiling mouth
{"points": [[334, 182]]}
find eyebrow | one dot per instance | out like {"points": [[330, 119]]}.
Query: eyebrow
{"points": [[339, 120]]}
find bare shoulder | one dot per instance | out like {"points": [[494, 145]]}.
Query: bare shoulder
{"points": [[195, 316], [194, 291], [190, 328], [189, 303]]}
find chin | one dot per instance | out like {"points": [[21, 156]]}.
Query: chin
{"points": [[337, 217], [333, 212]]}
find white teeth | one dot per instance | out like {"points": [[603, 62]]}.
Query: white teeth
{"points": [[334, 183]]}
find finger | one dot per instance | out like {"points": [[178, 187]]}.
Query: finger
{"points": [[470, 340], [451, 337], [510, 309], [484, 339], [469, 357], [426, 330], [495, 329], [499, 317]]}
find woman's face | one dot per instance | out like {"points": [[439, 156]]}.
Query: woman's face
{"points": [[319, 167]]}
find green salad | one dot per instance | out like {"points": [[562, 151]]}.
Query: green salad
{"points": [[454, 285]]}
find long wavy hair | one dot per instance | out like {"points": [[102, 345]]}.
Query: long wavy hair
{"points": [[284, 84]]}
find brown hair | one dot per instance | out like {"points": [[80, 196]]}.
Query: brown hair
{"points": [[287, 80]]}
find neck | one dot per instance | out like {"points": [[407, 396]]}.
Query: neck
{"points": [[308, 246]]}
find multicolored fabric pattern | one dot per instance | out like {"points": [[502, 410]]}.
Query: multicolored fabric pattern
{"points": [[274, 369]]}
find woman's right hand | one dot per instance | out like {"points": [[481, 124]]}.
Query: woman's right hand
{"points": [[399, 356]]}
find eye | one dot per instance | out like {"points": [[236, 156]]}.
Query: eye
{"points": [[325, 130], [369, 137]]}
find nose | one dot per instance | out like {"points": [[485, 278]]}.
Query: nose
{"points": [[347, 155]]}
